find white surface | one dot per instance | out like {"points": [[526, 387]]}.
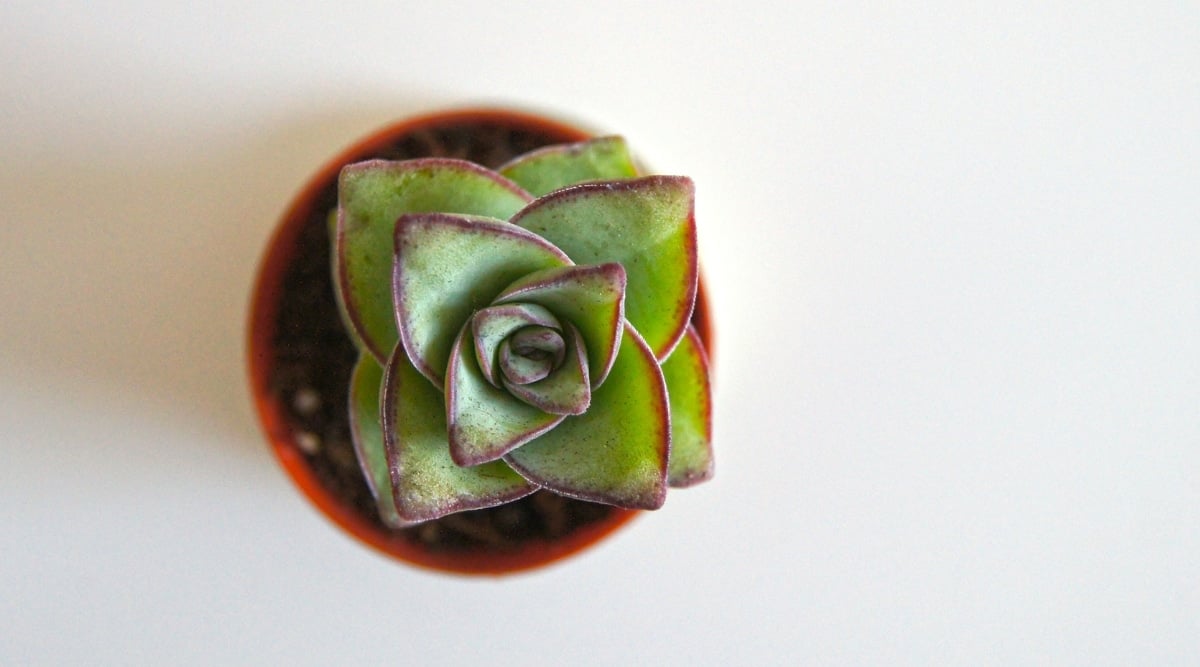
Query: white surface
{"points": [[953, 253]]}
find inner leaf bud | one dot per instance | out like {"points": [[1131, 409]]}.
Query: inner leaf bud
{"points": [[531, 354]]}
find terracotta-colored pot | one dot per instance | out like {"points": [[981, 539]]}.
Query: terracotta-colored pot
{"points": [[294, 346]]}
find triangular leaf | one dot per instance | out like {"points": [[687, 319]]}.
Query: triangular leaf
{"points": [[690, 391], [554, 167], [616, 452], [448, 266], [646, 225], [371, 196], [427, 484]]}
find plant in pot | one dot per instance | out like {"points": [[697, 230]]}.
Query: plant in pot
{"points": [[478, 341]]}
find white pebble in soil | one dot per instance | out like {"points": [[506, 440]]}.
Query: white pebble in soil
{"points": [[308, 443], [306, 401]]}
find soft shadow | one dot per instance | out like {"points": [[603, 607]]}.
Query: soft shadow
{"points": [[128, 275]]}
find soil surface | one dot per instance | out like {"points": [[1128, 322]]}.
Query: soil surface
{"points": [[311, 373]]}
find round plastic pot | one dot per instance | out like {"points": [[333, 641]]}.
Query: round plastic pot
{"points": [[306, 212]]}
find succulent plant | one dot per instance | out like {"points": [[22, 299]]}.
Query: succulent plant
{"points": [[521, 329]]}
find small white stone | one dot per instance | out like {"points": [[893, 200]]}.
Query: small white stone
{"points": [[306, 401], [308, 443]]}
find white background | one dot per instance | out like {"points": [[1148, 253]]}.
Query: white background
{"points": [[952, 250]]}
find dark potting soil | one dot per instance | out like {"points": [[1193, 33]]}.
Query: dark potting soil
{"points": [[311, 373]]}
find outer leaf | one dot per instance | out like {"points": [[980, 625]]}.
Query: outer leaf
{"points": [[648, 226], [617, 451], [554, 167], [565, 390], [371, 196], [447, 266], [490, 326], [686, 372], [590, 297], [426, 483], [365, 385], [331, 222], [485, 422]]}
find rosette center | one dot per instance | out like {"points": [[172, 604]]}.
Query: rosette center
{"points": [[531, 354], [497, 331]]}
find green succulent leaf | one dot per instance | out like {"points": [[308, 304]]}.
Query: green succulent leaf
{"points": [[427, 483], [565, 390], [554, 167], [590, 297], [371, 196], [646, 225], [331, 222], [485, 422], [690, 391], [366, 381], [491, 326], [447, 267], [617, 451]]}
